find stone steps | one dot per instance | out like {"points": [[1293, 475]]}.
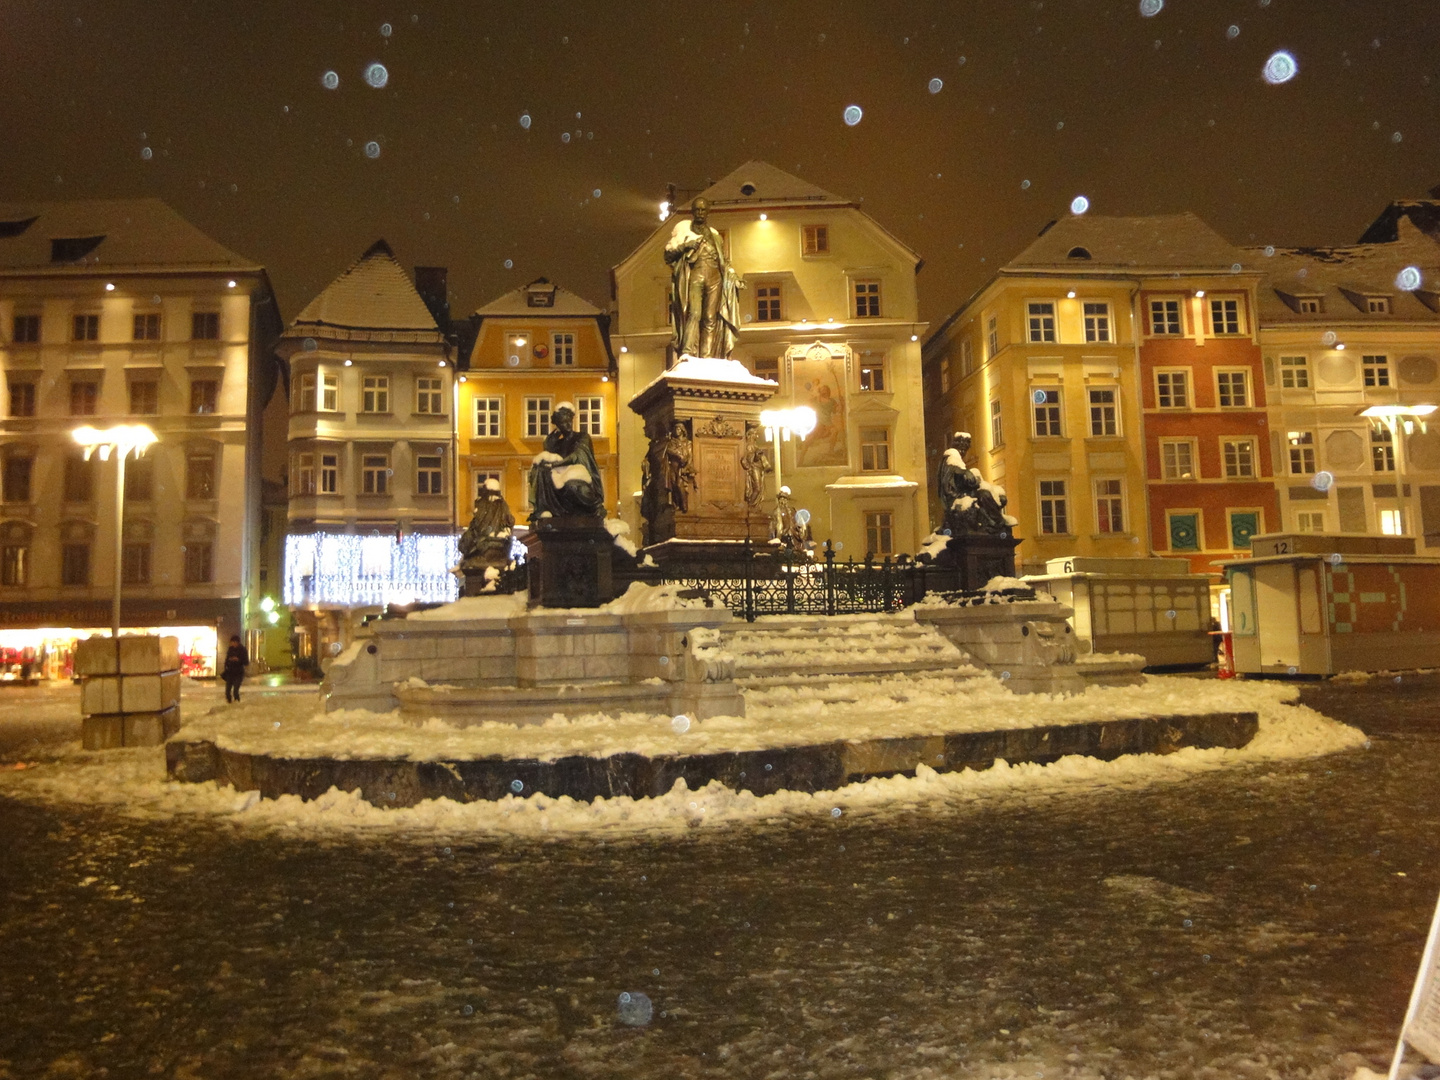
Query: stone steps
{"points": [[776, 648]]}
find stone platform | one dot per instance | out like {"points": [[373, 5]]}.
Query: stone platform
{"points": [[823, 767]]}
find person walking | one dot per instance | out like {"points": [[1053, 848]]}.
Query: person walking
{"points": [[237, 659]]}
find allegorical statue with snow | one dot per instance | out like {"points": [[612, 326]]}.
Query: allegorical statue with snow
{"points": [[565, 479], [485, 543], [705, 304], [973, 506]]}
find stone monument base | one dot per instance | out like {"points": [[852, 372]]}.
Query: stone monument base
{"points": [[572, 562], [979, 558]]}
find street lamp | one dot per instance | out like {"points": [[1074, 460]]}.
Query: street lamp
{"points": [[120, 440], [1397, 418], [780, 423]]}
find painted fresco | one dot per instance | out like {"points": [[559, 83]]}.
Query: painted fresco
{"points": [[819, 382]]}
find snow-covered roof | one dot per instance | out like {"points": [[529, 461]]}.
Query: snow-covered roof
{"points": [[374, 294], [710, 369], [529, 301], [107, 234], [1344, 279], [1424, 214], [1095, 243], [758, 183]]}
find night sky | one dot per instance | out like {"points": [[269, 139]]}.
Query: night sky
{"points": [[1140, 114]]}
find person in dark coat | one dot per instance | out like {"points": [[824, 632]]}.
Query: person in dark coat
{"points": [[237, 659]]}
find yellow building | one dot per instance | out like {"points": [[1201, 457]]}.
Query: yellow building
{"points": [[536, 347], [829, 312]]}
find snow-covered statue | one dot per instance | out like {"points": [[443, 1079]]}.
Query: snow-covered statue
{"points": [[565, 479], [485, 543], [705, 305], [785, 523], [973, 505]]}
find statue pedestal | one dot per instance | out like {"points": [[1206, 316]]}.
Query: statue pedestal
{"points": [[571, 561], [979, 558], [714, 402]]}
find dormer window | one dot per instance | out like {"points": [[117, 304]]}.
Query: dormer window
{"points": [[1310, 305], [1078, 253], [540, 295], [1377, 305]]}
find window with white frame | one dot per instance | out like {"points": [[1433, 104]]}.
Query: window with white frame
{"points": [[1392, 522], [1054, 508], [1040, 321], [867, 299], [1294, 372], [1376, 369], [429, 396], [1382, 449], [767, 302], [874, 449], [537, 417], [1224, 315], [304, 474], [967, 357], [329, 474], [515, 346], [329, 393], [375, 394], [1047, 413], [1311, 305], [1172, 389], [1239, 458], [879, 532], [1310, 521], [872, 373], [429, 474], [374, 474], [488, 417], [997, 429], [1104, 411], [305, 393], [992, 335], [815, 239], [1301, 445], [479, 477], [562, 348], [1165, 318], [1097, 321], [1233, 388], [588, 415], [1177, 459], [1377, 305], [1109, 506]]}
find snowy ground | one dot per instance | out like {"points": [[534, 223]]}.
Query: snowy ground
{"points": [[1246, 916]]}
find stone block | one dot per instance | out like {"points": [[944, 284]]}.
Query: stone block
{"points": [[496, 669], [449, 647], [489, 644], [100, 694], [149, 693], [410, 647], [447, 670], [151, 728], [606, 667], [148, 654], [96, 656], [611, 645], [102, 732]]}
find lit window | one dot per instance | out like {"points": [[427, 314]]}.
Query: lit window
{"points": [[1040, 321], [329, 393], [815, 239], [200, 477], [487, 417], [375, 474], [203, 393], [1382, 449], [588, 415], [1165, 317], [563, 349], [537, 417], [515, 346], [1109, 506], [767, 302], [205, 326], [1054, 509], [879, 532], [1047, 413], [1302, 452], [22, 398], [1103, 416], [199, 562], [1172, 389], [1097, 322], [144, 398], [1225, 316], [84, 396], [429, 475], [1294, 372], [1177, 459], [1239, 455], [874, 449], [329, 474], [429, 400], [86, 328], [867, 299], [1392, 522], [997, 430], [1377, 370], [147, 327], [1233, 388], [872, 374]]}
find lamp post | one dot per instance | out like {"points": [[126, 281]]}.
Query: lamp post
{"points": [[120, 440], [1399, 418], [780, 424]]}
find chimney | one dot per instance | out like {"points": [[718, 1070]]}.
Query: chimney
{"points": [[432, 282]]}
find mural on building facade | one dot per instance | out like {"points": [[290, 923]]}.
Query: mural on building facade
{"points": [[819, 380]]}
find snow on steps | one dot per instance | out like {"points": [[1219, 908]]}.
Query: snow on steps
{"points": [[781, 647]]}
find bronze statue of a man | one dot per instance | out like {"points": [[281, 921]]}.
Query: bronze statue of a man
{"points": [[565, 478], [705, 308], [677, 473], [972, 506], [755, 462]]}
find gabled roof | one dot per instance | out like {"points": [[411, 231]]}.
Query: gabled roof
{"points": [[1424, 214], [374, 294], [120, 234], [517, 302], [1344, 278], [758, 183], [1156, 243]]}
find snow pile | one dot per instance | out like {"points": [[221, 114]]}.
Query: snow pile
{"points": [[620, 533], [711, 369], [468, 608], [934, 544], [1005, 584], [640, 598]]}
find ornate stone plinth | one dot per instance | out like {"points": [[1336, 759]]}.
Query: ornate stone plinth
{"points": [[571, 562], [705, 467], [979, 558]]}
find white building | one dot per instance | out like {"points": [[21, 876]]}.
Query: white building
{"points": [[120, 311]]}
